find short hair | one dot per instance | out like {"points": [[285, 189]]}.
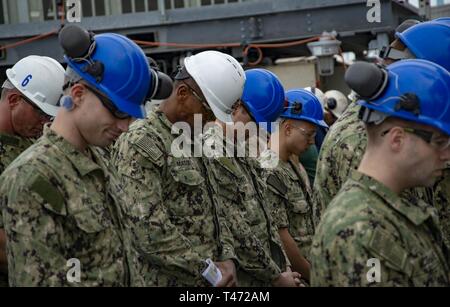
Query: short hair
{"points": [[7, 87], [70, 79]]}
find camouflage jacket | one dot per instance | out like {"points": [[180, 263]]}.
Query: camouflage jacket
{"points": [[341, 154], [57, 207], [290, 198], [10, 148], [238, 187], [442, 203], [367, 223], [169, 208]]}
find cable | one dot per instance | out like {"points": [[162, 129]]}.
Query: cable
{"points": [[29, 40], [260, 55], [289, 44], [62, 11], [257, 47], [245, 52], [185, 45]]}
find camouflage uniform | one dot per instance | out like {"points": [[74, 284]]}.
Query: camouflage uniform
{"points": [[10, 148], [368, 221], [56, 207], [238, 187], [341, 154], [442, 204], [169, 208], [290, 198]]}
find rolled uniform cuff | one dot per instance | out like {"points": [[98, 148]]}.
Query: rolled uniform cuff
{"points": [[229, 254]]}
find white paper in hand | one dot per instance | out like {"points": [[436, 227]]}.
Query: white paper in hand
{"points": [[212, 273]]}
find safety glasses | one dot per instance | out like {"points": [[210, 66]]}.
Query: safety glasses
{"points": [[108, 104], [439, 141], [199, 98], [38, 110]]}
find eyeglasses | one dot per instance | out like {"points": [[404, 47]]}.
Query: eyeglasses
{"points": [[439, 141], [199, 98], [108, 104], [308, 134], [38, 110]]}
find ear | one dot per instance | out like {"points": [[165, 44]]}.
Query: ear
{"points": [[287, 127], [14, 100], [77, 93], [397, 139], [182, 92]]}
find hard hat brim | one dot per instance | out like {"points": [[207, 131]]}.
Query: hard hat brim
{"points": [[45, 107]]}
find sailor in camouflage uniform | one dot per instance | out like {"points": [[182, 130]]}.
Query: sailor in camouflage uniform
{"points": [[59, 198], [291, 197], [23, 115], [346, 141], [368, 235], [171, 207], [240, 187]]}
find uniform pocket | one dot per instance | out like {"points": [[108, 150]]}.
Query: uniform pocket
{"points": [[300, 206], [190, 178], [91, 221]]}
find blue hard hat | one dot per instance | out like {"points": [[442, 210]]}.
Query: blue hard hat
{"points": [[119, 69], [417, 91], [429, 41], [442, 20], [304, 105], [263, 96]]}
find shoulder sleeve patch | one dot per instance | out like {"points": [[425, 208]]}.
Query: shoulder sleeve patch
{"points": [[382, 245], [150, 150], [274, 182], [53, 197]]}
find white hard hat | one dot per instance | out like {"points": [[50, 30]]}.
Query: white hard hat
{"points": [[335, 102], [319, 94], [40, 79], [221, 79]]}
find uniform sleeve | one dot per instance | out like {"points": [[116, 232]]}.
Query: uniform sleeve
{"points": [[277, 206], [34, 255], [253, 257], [156, 238], [336, 163], [226, 238], [251, 253], [355, 257], [276, 200]]}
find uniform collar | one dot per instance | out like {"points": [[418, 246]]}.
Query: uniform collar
{"points": [[163, 118], [416, 213], [82, 163]]}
